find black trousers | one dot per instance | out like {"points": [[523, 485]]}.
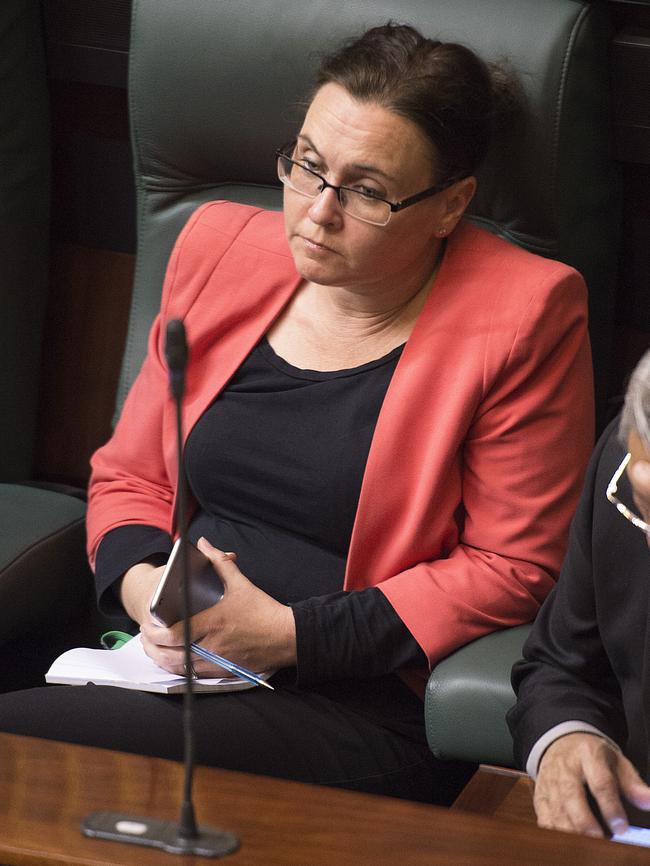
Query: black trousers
{"points": [[317, 736]]}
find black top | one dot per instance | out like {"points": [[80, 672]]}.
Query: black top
{"points": [[276, 464]]}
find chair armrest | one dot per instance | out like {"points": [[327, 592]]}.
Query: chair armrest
{"points": [[44, 576], [467, 698]]}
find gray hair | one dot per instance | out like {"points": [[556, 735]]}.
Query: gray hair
{"points": [[636, 410]]}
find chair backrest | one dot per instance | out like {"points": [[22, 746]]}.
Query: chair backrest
{"points": [[215, 87], [24, 229]]}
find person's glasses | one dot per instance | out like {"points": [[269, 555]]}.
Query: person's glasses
{"points": [[612, 488], [360, 204]]}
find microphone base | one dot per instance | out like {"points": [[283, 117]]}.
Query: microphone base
{"points": [[154, 833]]}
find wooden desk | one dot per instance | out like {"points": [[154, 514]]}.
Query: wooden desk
{"points": [[47, 787], [499, 793]]}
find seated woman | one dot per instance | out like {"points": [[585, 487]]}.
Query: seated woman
{"points": [[388, 414]]}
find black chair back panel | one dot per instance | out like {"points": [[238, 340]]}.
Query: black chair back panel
{"points": [[216, 86]]}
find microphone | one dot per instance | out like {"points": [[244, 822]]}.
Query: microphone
{"points": [[184, 837], [176, 356]]}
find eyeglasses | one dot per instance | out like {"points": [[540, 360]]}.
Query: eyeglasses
{"points": [[360, 204], [624, 510]]}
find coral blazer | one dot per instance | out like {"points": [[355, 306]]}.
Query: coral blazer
{"points": [[480, 447]]}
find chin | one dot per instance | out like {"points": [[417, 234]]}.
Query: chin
{"points": [[314, 272]]}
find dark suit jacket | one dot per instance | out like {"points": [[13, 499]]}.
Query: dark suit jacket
{"points": [[587, 657]]}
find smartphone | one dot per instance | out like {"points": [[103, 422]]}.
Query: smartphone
{"points": [[638, 833], [634, 836], [205, 586]]}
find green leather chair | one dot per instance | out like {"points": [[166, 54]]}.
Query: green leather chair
{"points": [[468, 696], [215, 87]]}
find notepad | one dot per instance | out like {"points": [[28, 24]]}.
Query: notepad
{"points": [[130, 668]]}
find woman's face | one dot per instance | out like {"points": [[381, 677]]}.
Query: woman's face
{"points": [[361, 144]]}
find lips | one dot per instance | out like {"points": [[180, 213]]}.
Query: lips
{"points": [[315, 245]]}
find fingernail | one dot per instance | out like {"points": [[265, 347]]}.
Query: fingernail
{"points": [[618, 825], [204, 543]]}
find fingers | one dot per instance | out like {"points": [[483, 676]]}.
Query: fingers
{"points": [[173, 637], [223, 562], [159, 645], [602, 779], [632, 786], [560, 799], [213, 553], [165, 647], [563, 805], [160, 635]]}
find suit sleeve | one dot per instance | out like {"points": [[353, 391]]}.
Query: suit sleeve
{"points": [[565, 673]]}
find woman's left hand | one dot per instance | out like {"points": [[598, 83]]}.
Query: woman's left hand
{"points": [[247, 626]]}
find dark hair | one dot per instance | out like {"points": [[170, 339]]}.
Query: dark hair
{"points": [[449, 92]]}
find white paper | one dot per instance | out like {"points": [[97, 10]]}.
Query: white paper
{"points": [[128, 664]]}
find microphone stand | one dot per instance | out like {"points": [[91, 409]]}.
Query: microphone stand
{"points": [[184, 837]]}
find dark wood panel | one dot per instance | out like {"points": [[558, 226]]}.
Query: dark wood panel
{"points": [[46, 788], [93, 195], [89, 108], [90, 291], [88, 40], [499, 793]]}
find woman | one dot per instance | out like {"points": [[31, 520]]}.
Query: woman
{"points": [[388, 414]]}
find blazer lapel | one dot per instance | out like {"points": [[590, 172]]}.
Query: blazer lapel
{"points": [[413, 465]]}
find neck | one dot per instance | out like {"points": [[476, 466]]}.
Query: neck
{"points": [[372, 308], [333, 327], [354, 315]]}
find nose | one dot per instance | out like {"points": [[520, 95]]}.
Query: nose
{"points": [[325, 208]]}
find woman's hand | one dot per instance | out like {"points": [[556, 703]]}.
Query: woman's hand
{"points": [[136, 591], [578, 759], [247, 626]]}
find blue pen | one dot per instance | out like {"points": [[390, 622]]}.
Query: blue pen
{"points": [[244, 673]]}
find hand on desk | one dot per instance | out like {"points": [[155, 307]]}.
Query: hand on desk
{"points": [[578, 759], [247, 626]]}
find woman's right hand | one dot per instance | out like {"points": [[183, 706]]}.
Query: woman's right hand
{"points": [[163, 645], [138, 586]]}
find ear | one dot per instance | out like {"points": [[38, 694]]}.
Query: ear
{"points": [[455, 201]]}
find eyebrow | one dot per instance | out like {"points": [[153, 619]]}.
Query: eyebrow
{"points": [[364, 168]]}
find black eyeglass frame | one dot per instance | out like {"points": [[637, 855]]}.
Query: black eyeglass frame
{"points": [[395, 206]]}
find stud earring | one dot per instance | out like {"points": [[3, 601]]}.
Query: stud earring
{"points": [[442, 232]]}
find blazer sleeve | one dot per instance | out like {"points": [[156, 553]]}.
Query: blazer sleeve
{"points": [[566, 673], [130, 482], [519, 470]]}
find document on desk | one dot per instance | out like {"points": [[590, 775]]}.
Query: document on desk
{"points": [[129, 667]]}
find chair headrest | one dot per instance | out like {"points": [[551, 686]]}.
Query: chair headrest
{"points": [[216, 87]]}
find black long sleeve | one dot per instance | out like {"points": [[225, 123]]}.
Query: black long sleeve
{"points": [[118, 551], [356, 635]]}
